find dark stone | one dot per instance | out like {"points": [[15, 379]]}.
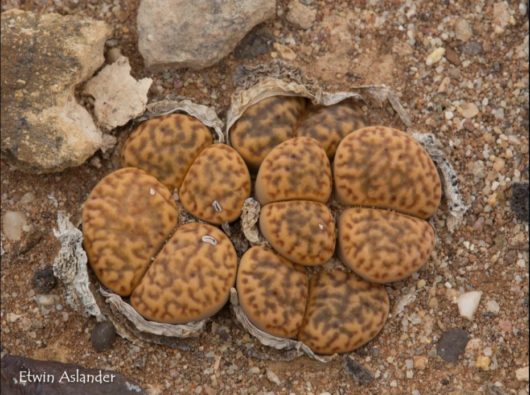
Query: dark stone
{"points": [[452, 56], [472, 48], [67, 379], [44, 280], [103, 336], [359, 373], [519, 200], [257, 42], [452, 344]]}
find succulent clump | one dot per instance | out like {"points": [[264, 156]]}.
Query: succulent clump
{"points": [[173, 273], [385, 185]]}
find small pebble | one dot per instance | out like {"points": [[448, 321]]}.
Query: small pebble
{"points": [[254, 370], [472, 48], [301, 15], [359, 373], [44, 280], [463, 31], [492, 307], [519, 200], [452, 344], [468, 110], [420, 362], [483, 362], [521, 374], [13, 223], [468, 304], [103, 336], [435, 56], [272, 377]]}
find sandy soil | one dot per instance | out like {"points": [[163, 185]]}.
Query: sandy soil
{"points": [[350, 43]]}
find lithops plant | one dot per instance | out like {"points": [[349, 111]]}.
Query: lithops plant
{"points": [[173, 273], [190, 279], [383, 167], [126, 219], [272, 291], [264, 125], [393, 186], [296, 169], [216, 185], [334, 312], [300, 230], [329, 125], [383, 246], [173, 276], [166, 146]]}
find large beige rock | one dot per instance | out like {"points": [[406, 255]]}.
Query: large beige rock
{"points": [[44, 58], [118, 96], [196, 34]]}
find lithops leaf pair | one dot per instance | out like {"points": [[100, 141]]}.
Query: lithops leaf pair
{"points": [[212, 179], [172, 273], [293, 184], [273, 120], [333, 312], [394, 186]]}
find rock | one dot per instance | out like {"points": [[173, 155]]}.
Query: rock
{"points": [[118, 96], [468, 304], [463, 31], [501, 16], [257, 42], [103, 336], [360, 374], [44, 129], [468, 110], [272, 377], [522, 50], [452, 56], [68, 379], [521, 374], [472, 48], [420, 362], [435, 56], [167, 35], [483, 362], [519, 200], [44, 280], [284, 51], [452, 344], [301, 15], [493, 307], [13, 225]]}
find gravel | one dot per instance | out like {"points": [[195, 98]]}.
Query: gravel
{"points": [[103, 336], [452, 344], [44, 281]]}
